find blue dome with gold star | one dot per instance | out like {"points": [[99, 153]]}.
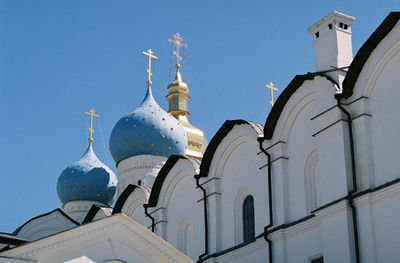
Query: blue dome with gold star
{"points": [[87, 179], [147, 129]]}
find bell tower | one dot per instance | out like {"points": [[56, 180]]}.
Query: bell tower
{"points": [[178, 95]]}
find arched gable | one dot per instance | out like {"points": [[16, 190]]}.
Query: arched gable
{"points": [[162, 174], [215, 142], [46, 224], [365, 52], [173, 198], [164, 187], [279, 106], [372, 94], [123, 197], [131, 202], [97, 212], [231, 163]]}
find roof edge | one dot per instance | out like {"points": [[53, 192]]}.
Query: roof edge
{"points": [[284, 97], [123, 197], [365, 52], [216, 141], [162, 174], [16, 231], [91, 214]]}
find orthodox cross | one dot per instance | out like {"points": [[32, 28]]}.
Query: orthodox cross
{"points": [[149, 53], [178, 42], [91, 114], [272, 87]]}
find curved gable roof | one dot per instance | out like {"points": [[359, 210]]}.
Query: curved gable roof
{"points": [[10, 239], [217, 139], [43, 215], [91, 214], [365, 52], [162, 174], [122, 198], [284, 97]]}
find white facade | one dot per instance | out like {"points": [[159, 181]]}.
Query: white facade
{"points": [[312, 169]]}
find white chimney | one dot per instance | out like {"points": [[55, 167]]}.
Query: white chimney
{"points": [[332, 44]]}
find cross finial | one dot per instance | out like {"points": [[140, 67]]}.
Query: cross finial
{"points": [[272, 87], [91, 114], [149, 53], [178, 43]]}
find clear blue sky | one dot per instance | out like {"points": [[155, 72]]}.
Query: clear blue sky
{"points": [[60, 58]]}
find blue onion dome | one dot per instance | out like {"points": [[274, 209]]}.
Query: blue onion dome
{"points": [[87, 179], [147, 129]]}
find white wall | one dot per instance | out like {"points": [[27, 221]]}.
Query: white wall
{"points": [[179, 214], [236, 173], [133, 206]]}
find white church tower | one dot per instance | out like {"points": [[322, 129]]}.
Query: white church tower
{"points": [[332, 44]]}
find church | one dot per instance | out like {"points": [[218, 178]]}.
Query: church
{"points": [[317, 182]]}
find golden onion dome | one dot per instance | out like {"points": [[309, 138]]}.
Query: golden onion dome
{"points": [[178, 95]]}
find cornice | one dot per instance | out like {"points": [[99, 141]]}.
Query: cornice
{"points": [[297, 229], [378, 196], [331, 210], [119, 223], [239, 252]]}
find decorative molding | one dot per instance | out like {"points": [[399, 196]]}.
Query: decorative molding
{"points": [[138, 203], [273, 145], [362, 114], [310, 186], [225, 155], [211, 194], [89, 231], [286, 233], [378, 196], [141, 162], [166, 195], [237, 252], [327, 127], [331, 210], [211, 179], [292, 116], [379, 66], [182, 234]]}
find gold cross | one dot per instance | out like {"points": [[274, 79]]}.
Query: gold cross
{"points": [[178, 42], [272, 87], [149, 53], [91, 114]]}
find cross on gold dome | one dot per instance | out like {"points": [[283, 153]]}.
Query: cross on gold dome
{"points": [[272, 87], [149, 53], [91, 114], [178, 43]]}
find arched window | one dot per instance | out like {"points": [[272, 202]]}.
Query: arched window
{"points": [[248, 219], [311, 182]]}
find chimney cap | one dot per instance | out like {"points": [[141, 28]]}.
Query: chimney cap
{"points": [[330, 18]]}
